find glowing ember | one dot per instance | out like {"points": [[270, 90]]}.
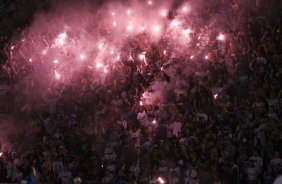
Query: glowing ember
{"points": [[57, 75], [221, 37], [161, 180]]}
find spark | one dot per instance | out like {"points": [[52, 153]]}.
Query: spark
{"points": [[55, 61], [12, 47], [164, 52], [161, 180], [1, 154], [154, 121], [141, 103], [128, 12], [57, 75], [191, 57], [112, 52], [207, 57], [162, 68], [114, 23], [221, 37], [30, 59], [215, 96]]}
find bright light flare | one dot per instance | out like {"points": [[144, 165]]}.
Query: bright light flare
{"points": [[44, 52], [1, 154], [57, 75], [185, 9], [105, 70], [99, 65], [114, 23], [142, 56], [128, 12], [150, 2], [154, 121], [156, 28], [207, 57], [82, 57], [100, 46], [55, 61], [174, 23], [163, 13], [192, 57], [61, 39], [118, 58], [30, 60], [215, 96], [186, 32], [141, 103], [161, 180], [221, 37]]}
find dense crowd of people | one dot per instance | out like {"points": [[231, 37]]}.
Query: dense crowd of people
{"points": [[222, 126]]}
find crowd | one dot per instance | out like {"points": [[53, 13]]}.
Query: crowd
{"points": [[223, 126]]}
